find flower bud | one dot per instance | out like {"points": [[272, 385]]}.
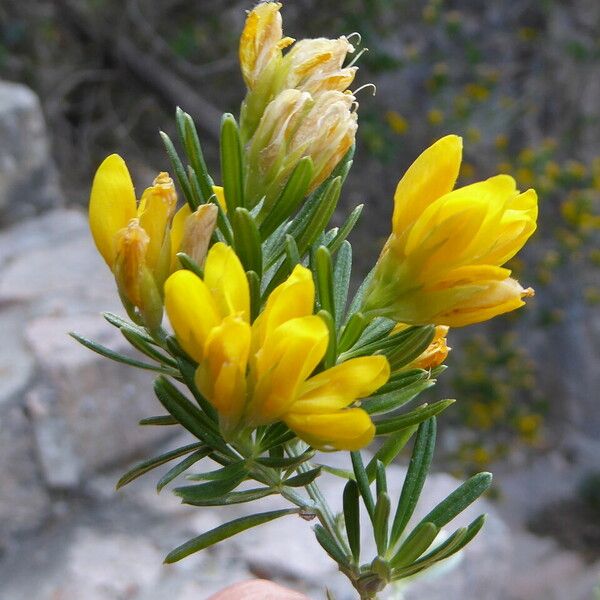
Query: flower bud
{"points": [[436, 353], [135, 282], [198, 230], [294, 126], [315, 65]]}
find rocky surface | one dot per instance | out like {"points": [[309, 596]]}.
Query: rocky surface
{"points": [[28, 180]]}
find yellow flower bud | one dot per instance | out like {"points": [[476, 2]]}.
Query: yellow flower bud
{"points": [[442, 263], [436, 353]]}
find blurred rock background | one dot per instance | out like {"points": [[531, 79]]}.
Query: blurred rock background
{"points": [[81, 79]]}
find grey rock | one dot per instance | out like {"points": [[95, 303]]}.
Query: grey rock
{"points": [[28, 180], [97, 402]]}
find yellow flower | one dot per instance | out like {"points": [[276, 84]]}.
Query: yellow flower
{"points": [[442, 262], [436, 353], [132, 239], [261, 373]]}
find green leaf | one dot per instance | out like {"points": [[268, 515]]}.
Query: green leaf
{"points": [[188, 372], [356, 303], [415, 544], [225, 531], [345, 230], [401, 380], [227, 472], [380, 522], [191, 494], [303, 479], [276, 435], [352, 518], [139, 343], [188, 263], [341, 281], [381, 479], [385, 403], [179, 171], [193, 149], [352, 331], [411, 418], [291, 197], [388, 451], [194, 420], [116, 356], [324, 279], [415, 477], [341, 473], [181, 467], [254, 285], [307, 229], [459, 499], [363, 482], [247, 240], [159, 420], [232, 171], [330, 545], [235, 497], [121, 323], [411, 347], [147, 465], [331, 352], [378, 329]]}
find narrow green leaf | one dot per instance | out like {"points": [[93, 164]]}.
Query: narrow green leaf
{"points": [[341, 282], [154, 462], [404, 379], [345, 230], [385, 403], [414, 417], [232, 172], [159, 420], [228, 472], [303, 479], [254, 286], [415, 544], [235, 497], [116, 356], [330, 546], [411, 348], [247, 240], [380, 522], [351, 332], [140, 343], [356, 303], [188, 372], [276, 435], [363, 482], [291, 197], [415, 477], [121, 323], [194, 152], [179, 171], [352, 518], [331, 351], [194, 420], [324, 279], [225, 531], [187, 262], [459, 499], [381, 479], [181, 467], [392, 446], [191, 494]]}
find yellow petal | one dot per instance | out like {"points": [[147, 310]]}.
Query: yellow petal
{"points": [[219, 192], [112, 204], [221, 377], [191, 310], [349, 429], [432, 175], [294, 298], [177, 231], [289, 355], [154, 216], [227, 282], [340, 386]]}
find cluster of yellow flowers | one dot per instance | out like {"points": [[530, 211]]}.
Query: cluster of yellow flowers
{"points": [[442, 264]]}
